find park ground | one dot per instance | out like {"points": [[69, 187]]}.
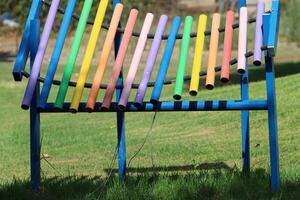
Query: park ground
{"points": [[193, 155]]}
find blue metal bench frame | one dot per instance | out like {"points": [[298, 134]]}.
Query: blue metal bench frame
{"points": [[270, 27]]}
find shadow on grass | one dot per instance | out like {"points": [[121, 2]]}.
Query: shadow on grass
{"points": [[256, 74], [225, 183], [185, 168], [6, 56]]}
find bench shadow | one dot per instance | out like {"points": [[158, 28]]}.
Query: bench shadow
{"points": [[256, 74], [203, 181], [6, 56], [162, 169]]}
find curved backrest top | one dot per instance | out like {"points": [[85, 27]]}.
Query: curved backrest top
{"points": [[269, 21]]}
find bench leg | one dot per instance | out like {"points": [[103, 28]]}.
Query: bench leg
{"points": [[245, 126], [121, 146], [34, 114], [120, 115], [245, 114], [245, 143], [35, 148], [272, 119]]}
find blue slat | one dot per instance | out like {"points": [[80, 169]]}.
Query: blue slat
{"points": [[266, 20], [242, 3], [165, 61], [274, 28], [23, 52], [57, 53]]}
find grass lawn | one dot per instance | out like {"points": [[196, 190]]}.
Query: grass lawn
{"points": [[193, 155]]}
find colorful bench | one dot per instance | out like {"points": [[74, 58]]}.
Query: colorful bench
{"points": [[267, 25]]}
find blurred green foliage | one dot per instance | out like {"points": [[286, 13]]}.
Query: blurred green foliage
{"points": [[20, 8], [291, 19], [290, 12]]}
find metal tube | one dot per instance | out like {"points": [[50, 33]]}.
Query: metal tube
{"points": [[34, 114], [171, 106], [23, 52]]}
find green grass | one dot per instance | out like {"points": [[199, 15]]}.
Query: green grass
{"points": [[188, 155]]}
